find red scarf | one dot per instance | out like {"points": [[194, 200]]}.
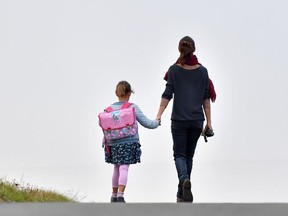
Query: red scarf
{"points": [[194, 61]]}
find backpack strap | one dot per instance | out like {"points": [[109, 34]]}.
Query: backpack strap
{"points": [[108, 109], [107, 147], [125, 105]]}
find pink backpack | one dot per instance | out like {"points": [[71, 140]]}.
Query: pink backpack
{"points": [[118, 124]]}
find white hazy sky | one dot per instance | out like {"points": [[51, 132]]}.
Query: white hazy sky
{"points": [[61, 59]]}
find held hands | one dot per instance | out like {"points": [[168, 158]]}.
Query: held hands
{"points": [[159, 121], [158, 118], [163, 104]]}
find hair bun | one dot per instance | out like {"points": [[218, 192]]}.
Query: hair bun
{"points": [[185, 43]]}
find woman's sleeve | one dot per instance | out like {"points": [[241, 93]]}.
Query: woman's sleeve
{"points": [[207, 88], [168, 92]]}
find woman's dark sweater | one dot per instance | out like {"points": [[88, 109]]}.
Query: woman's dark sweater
{"points": [[190, 89]]}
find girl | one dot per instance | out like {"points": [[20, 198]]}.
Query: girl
{"points": [[125, 151]]}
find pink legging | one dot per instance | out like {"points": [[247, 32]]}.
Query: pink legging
{"points": [[120, 175]]}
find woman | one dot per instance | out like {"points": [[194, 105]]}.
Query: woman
{"points": [[189, 85]]}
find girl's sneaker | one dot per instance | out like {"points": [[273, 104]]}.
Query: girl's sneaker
{"points": [[113, 199], [121, 200]]}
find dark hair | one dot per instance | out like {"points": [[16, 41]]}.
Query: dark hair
{"points": [[186, 47], [123, 88]]}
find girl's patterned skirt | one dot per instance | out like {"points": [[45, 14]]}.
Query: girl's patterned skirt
{"points": [[124, 153]]}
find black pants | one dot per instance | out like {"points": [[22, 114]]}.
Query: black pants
{"points": [[185, 136]]}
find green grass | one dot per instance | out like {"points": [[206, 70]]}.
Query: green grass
{"points": [[14, 192]]}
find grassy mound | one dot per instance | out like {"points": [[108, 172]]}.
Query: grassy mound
{"points": [[14, 192]]}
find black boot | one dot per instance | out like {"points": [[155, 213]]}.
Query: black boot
{"points": [[187, 194]]}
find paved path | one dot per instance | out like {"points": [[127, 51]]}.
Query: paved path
{"points": [[145, 209]]}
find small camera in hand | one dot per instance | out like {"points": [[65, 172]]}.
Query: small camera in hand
{"points": [[207, 133]]}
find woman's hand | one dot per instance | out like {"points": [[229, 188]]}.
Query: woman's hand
{"points": [[208, 126], [208, 131], [158, 118]]}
